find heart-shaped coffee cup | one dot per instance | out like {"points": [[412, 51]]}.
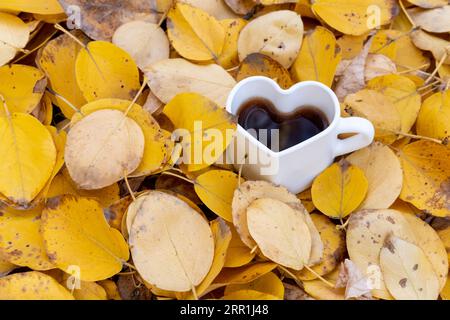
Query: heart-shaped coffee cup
{"points": [[296, 167]]}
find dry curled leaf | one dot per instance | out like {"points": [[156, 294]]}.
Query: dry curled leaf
{"points": [[118, 12], [355, 283]]}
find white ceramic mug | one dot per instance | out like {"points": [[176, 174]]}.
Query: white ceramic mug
{"points": [[296, 167]]}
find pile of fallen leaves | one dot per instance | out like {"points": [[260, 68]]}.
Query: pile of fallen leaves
{"points": [[94, 204]]}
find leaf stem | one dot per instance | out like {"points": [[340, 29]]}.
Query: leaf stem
{"points": [[127, 183], [177, 176], [136, 97], [414, 136]]}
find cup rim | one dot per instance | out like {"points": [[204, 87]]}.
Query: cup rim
{"points": [[297, 86]]}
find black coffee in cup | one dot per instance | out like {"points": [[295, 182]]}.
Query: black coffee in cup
{"points": [[261, 117]]}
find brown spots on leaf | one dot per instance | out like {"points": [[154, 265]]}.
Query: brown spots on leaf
{"points": [[53, 203], [388, 244], [390, 219], [40, 85], [403, 282]]}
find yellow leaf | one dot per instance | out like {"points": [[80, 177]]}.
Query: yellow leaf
{"points": [[351, 46], [28, 157], [439, 47], [339, 190], [222, 237], [238, 253], [245, 195], [158, 143], [445, 293], [21, 241], [289, 243], [32, 286], [229, 56], [172, 245], [216, 8], [22, 88], [171, 77], [112, 291], [407, 272], [250, 191], [277, 34], [379, 109], [76, 233], [403, 94], [426, 168], [102, 148], [5, 266], [321, 291], [384, 174], [333, 248], [244, 274], [249, 295], [442, 227], [106, 71], [269, 284], [57, 60], [355, 17], [84, 290], [431, 20], [35, 6], [195, 34], [257, 64], [63, 184], [318, 58], [434, 116], [14, 35], [367, 231], [205, 129], [427, 4], [134, 37], [59, 139], [394, 44], [216, 189]]}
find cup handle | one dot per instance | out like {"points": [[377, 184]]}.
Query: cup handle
{"points": [[364, 130]]}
